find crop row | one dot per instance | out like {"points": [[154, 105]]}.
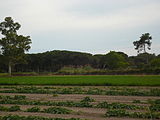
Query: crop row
{"points": [[52, 110], [17, 117], [15, 97], [124, 113], [85, 102], [109, 113], [77, 90]]}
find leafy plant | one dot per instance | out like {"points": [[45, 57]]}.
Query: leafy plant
{"points": [[14, 108], [136, 101], [33, 109], [17, 117], [87, 99], [57, 110]]}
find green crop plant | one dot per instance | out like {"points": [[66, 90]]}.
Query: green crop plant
{"points": [[55, 95], [17, 117], [136, 101], [10, 109], [124, 113], [33, 109], [77, 90], [14, 108], [2, 108], [16, 97], [117, 113], [118, 106], [57, 110], [155, 107], [87, 99]]}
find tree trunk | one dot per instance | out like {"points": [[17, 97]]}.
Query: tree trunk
{"points": [[144, 48], [10, 68]]}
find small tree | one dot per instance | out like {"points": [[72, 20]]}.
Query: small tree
{"points": [[145, 39], [13, 46]]}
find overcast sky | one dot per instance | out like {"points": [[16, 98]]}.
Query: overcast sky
{"points": [[94, 26]]}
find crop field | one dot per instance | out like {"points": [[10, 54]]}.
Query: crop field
{"points": [[50, 102], [101, 80]]}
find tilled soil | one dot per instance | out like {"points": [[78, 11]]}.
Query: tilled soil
{"points": [[79, 112]]}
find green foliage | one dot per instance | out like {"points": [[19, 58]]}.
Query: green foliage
{"points": [[155, 107], [17, 117], [124, 113], [117, 113], [118, 106], [76, 90], [57, 110], [2, 108], [114, 60], [136, 101], [155, 63], [14, 108], [87, 99], [10, 109], [140, 45], [33, 109], [16, 97], [12, 45], [19, 97], [83, 80]]}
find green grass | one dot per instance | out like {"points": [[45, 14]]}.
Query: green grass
{"points": [[83, 80]]}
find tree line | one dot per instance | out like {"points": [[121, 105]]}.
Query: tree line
{"points": [[14, 46], [53, 61]]}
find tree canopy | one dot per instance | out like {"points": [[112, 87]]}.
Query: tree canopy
{"points": [[13, 46], [140, 45]]}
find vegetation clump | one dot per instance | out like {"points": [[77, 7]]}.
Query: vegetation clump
{"points": [[124, 113], [10, 109], [17, 117], [33, 109], [57, 110]]}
